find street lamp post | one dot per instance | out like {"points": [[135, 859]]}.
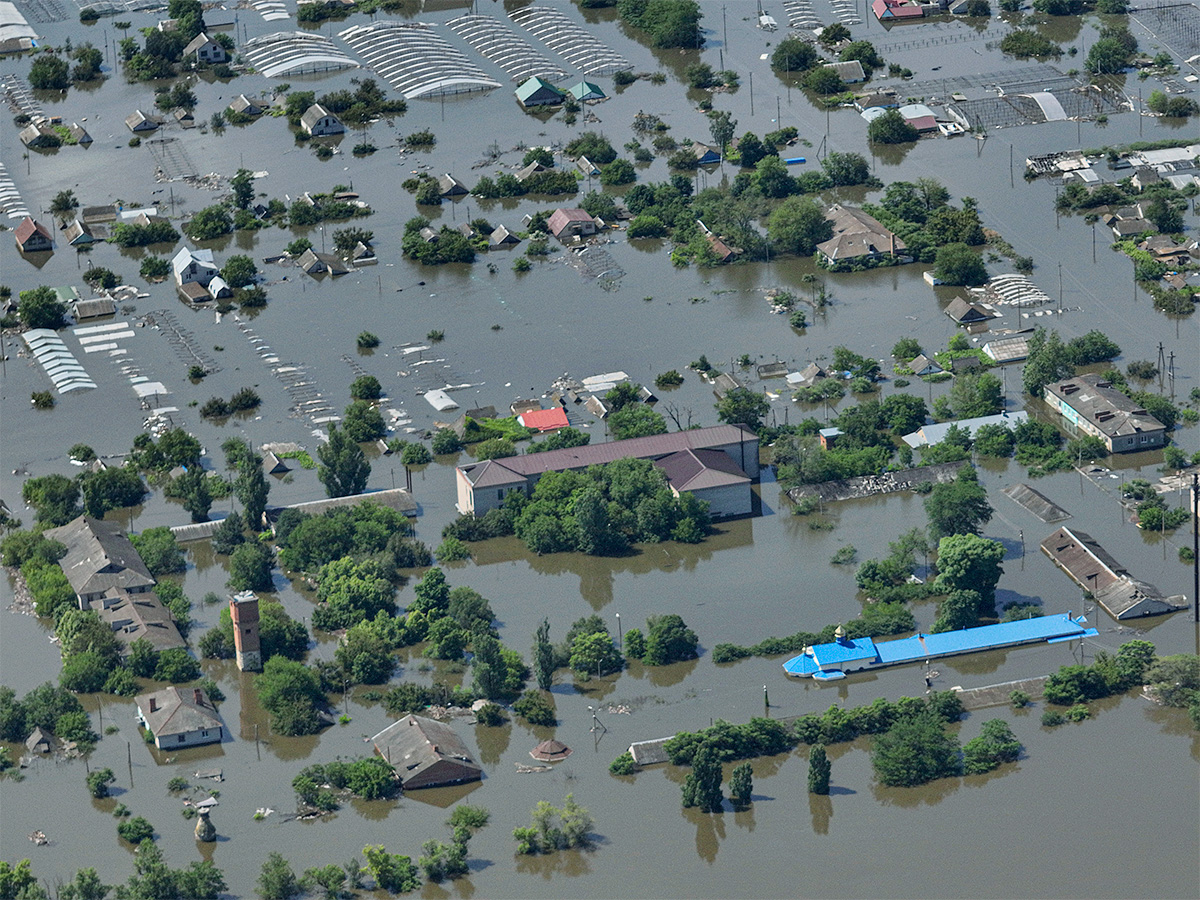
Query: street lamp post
{"points": [[620, 644]]}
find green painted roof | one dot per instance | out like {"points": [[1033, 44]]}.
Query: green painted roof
{"points": [[534, 86], [585, 90]]}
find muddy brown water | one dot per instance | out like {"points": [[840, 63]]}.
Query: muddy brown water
{"points": [[1103, 808]]}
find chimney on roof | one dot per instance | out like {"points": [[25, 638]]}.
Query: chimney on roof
{"points": [[153, 705], [198, 696]]}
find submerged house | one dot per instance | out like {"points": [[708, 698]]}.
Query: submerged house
{"points": [[538, 92], [32, 236], [138, 122], [585, 90], [99, 557], [206, 49], [193, 266], [180, 717], [1095, 407], [964, 312], [857, 237], [568, 223], [425, 753], [317, 121]]}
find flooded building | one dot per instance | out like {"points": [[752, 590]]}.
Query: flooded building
{"points": [[425, 753], [570, 223], [857, 237], [32, 236], [205, 49], [99, 557], [538, 92], [1095, 407], [483, 486], [1092, 568], [243, 611], [180, 717], [317, 121]]}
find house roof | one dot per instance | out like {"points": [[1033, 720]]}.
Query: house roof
{"points": [[550, 751], [99, 556], [39, 736], [923, 365], [562, 218], [585, 90], [843, 651], [315, 113], [1009, 349], [696, 470], [515, 469], [705, 153], [647, 753], [855, 234], [200, 40], [28, 228], [139, 121], [936, 433], [849, 71], [501, 235], [425, 753], [395, 498], [451, 186], [314, 263], [964, 312], [243, 104], [893, 9], [177, 711], [195, 292], [1104, 407], [94, 309], [544, 419], [535, 89], [140, 616], [186, 256], [532, 169]]}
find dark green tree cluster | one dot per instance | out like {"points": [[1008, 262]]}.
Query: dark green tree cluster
{"points": [[291, 693], [915, 751], [555, 829], [371, 778], [958, 507], [668, 23], [727, 743], [995, 745], [47, 706], [877, 620], [1051, 360], [40, 308], [1108, 675], [443, 246], [921, 214], [838, 724], [364, 530]]}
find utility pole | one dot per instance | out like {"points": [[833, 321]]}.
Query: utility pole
{"points": [[1196, 547]]}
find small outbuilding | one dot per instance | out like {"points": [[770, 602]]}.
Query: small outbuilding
{"points": [[964, 312], [39, 740], [538, 92], [585, 90], [449, 186], [138, 122], [244, 105], [551, 751], [544, 419], [425, 753], [705, 155], [501, 237]]}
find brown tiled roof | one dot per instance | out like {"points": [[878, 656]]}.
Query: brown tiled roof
{"points": [[425, 753], [694, 470]]}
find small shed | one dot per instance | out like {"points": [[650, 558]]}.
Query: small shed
{"points": [[79, 134], [449, 186], [78, 234], [963, 312], [185, 117], [544, 419], [273, 465], [84, 310], [244, 105], [138, 122], [648, 753], [502, 237], [538, 92], [705, 155], [194, 292], [585, 90], [39, 740], [219, 289], [587, 167], [829, 437], [923, 365]]}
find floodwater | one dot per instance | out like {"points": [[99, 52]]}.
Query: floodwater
{"points": [[1104, 808]]}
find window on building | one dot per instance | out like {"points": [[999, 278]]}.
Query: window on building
{"points": [[180, 739]]}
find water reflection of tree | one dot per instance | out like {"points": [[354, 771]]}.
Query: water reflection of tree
{"points": [[710, 831], [744, 818], [929, 794], [666, 676], [821, 807], [571, 863], [492, 742], [373, 810]]}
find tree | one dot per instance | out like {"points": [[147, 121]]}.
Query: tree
{"points": [[543, 656], [239, 271], [1108, 56], [136, 830], [818, 770], [112, 488], [978, 8], [290, 692], [797, 225], [636, 420], [702, 786], [191, 488], [619, 171], [391, 871], [594, 654], [252, 489], [41, 308], [63, 203], [277, 880], [99, 781], [243, 189], [959, 507], [209, 223], [846, 169], [328, 878], [55, 498], [343, 467], [1048, 362], [1165, 216], [891, 128], [996, 744], [793, 55], [864, 52], [86, 885], [445, 441], [960, 609], [250, 568], [159, 551], [751, 150], [366, 387], [824, 80], [969, 563], [722, 127], [741, 784], [914, 751], [362, 422], [49, 73], [958, 264], [972, 395], [669, 640], [742, 406]]}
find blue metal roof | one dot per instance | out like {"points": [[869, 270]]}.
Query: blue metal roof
{"points": [[848, 650], [949, 643]]}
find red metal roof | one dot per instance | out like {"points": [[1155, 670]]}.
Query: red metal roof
{"points": [[544, 419]]}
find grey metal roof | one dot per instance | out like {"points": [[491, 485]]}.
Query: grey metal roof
{"points": [[137, 617], [177, 711], [1106, 408], [647, 753], [425, 753], [395, 498], [99, 556]]}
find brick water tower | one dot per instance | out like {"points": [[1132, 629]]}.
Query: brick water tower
{"points": [[243, 610]]}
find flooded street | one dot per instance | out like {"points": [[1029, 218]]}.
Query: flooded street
{"points": [[1104, 808]]}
